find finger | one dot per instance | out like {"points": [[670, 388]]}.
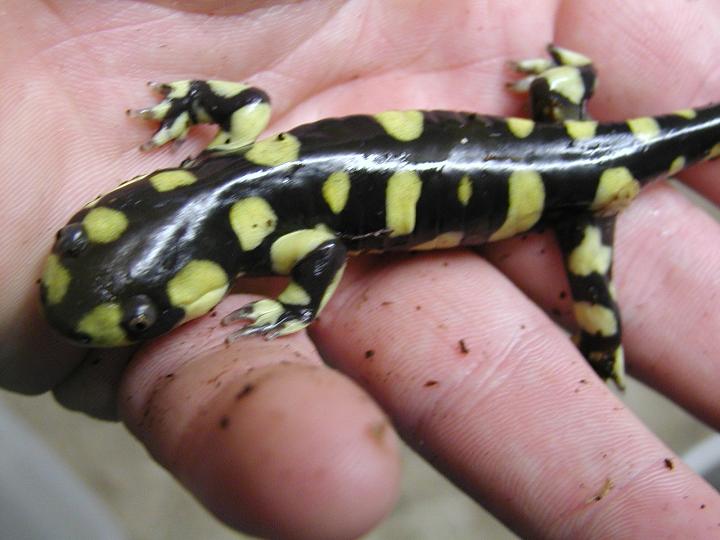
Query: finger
{"points": [[653, 72], [92, 388], [680, 60], [33, 358], [512, 414], [666, 279], [272, 442], [668, 275], [704, 180]]}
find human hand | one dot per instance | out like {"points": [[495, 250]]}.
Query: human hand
{"points": [[290, 447]]}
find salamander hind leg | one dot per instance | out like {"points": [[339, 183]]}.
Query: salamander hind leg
{"points": [[241, 112], [558, 87], [586, 245], [314, 259]]}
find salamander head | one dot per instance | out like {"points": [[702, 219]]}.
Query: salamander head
{"points": [[109, 283]]}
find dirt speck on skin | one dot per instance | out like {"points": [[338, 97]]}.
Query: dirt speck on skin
{"points": [[219, 375], [364, 296], [430, 383], [669, 464], [606, 488], [247, 389], [377, 431], [369, 354], [463, 346]]}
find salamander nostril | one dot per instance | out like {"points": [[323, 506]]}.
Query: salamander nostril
{"points": [[71, 240]]}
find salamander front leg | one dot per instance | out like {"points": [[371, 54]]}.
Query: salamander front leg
{"points": [[586, 244], [316, 261], [240, 111]]}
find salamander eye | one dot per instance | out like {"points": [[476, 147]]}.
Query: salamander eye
{"points": [[71, 240], [140, 314]]}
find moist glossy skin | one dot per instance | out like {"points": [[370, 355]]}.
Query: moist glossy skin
{"points": [[165, 248]]}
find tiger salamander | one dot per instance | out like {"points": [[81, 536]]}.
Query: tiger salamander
{"points": [[165, 248]]}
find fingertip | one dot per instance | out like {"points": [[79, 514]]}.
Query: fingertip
{"points": [[267, 438], [295, 452]]}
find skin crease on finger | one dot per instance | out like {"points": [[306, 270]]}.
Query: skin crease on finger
{"points": [[519, 436], [269, 439]]}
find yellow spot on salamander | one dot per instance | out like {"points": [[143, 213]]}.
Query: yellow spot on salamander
{"points": [[595, 319], [714, 152], [335, 191], [644, 128], [533, 65], [248, 122], [677, 165], [178, 89], [290, 327], [612, 290], [275, 151], [581, 129], [401, 197], [591, 255], [331, 288], [226, 89], [266, 311], [171, 179], [197, 288], [102, 325], [443, 241], [290, 248], [687, 114], [526, 194], [177, 130], [401, 125], [520, 127], [616, 189], [56, 279], [571, 58], [104, 225], [464, 190], [252, 219], [294, 295], [566, 81], [618, 369]]}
